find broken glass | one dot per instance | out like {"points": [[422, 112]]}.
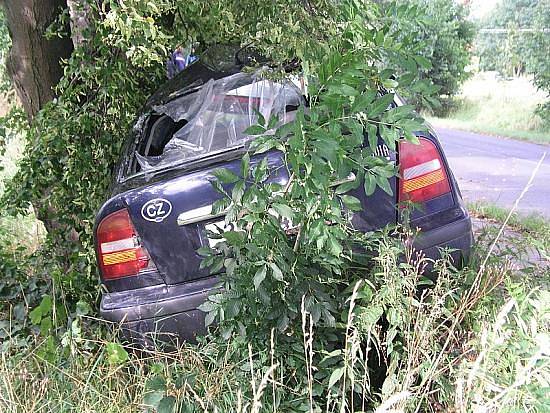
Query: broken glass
{"points": [[213, 118]]}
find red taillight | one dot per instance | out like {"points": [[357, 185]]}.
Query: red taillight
{"points": [[423, 175], [118, 247]]}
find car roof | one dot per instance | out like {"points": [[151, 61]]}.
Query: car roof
{"points": [[215, 63]]}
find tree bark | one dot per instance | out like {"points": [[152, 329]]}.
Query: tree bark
{"points": [[34, 61]]}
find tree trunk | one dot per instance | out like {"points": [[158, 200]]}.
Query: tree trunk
{"points": [[34, 61], [34, 65]]}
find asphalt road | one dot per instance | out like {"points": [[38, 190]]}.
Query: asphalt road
{"points": [[497, 170]]}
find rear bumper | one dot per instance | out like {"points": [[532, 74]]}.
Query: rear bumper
{"points": [[169, 313], [456, 236], [159, 313]]}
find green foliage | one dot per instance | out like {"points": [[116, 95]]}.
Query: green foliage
{"points": [[454, 335], [537, 61], [513, 352], [441, 36], [506, 52], [276, 286], [516, 52], [5, 43], [116, 353], [75, 141], [308, 301]]}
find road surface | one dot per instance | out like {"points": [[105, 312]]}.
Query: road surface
{"points": [[497, 170]]}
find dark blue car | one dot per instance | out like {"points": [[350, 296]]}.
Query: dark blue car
{"points": [[159, 212]]}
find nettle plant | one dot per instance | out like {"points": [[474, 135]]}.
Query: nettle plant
{"points": [[291, 250]]}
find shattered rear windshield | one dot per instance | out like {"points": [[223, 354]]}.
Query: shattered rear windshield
{"points": [[212, 119]]}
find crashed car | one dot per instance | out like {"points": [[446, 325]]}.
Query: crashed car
{"points": [[160, 210]]}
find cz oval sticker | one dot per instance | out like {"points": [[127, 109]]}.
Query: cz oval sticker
{"points": [[156, 210]]}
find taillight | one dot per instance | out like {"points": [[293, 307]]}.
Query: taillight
{"points": [[119, 249], [423, 175]]}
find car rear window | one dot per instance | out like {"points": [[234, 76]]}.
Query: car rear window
{"points": [[212, 119]]}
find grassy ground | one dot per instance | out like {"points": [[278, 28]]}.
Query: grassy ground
{"points": [[534, 224], [529, 233], [500, 361], [25, 230], [498, 107]]}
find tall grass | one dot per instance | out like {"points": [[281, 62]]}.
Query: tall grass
{"points": [[504, 107], [483, 348]]}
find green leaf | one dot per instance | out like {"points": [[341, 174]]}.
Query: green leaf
{"points": [[245, 165], [272, 121], [334, 246], [36, 315], [384, 183], [156, 383], [262, 147], [276, 271], [204, 251], [234, 237], [423, 62], [369, 184], [363, 101], [45, 325], [372, 133], [116, 353], [261, 172], [259, 276], [351, 202], [210, 317], [166, 405], [153, 398], [46, 305], [261, 119], [346, 187], [254, 130], [283, 210], [225, 176], [221, 205], [390, 83], [238, 192], [207, 306], [345, 90], [380, 105], [406, 79], [282, 323], [335, 376], [83, 308]]}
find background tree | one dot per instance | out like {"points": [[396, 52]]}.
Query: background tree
{"points": [[523, 44], [537, 61], [441, 35], [505, 51], [5, 43]]}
